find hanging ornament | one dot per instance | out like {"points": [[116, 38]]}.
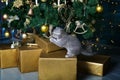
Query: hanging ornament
{"points": [[66, 14], [99, 8], [54, 4], [18, 3], [60, 5], [30, 12], [27, 22], [80, 25], [44, 28], [12, 18], [24, 36], [43, 0], [7, 34], [5, 16]]}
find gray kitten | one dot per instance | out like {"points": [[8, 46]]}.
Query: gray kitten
{"points": [[70, 42]]}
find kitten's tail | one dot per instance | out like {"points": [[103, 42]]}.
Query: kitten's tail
{"points": [[87, 53]]}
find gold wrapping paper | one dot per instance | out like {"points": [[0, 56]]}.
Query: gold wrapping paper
{"points": [[0, 58], [8, 57], [28, 58], [96, 64], [54, 66], [45, 44]]}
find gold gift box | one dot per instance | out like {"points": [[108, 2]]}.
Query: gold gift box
{"points": [[96, 65], [8, 57], [45, 44], [28, 58], [54, 66]]}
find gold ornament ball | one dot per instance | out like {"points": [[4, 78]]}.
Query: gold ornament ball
{"points": [[44, 28], [5, 16], [7, 34], [99, 8], [43, 0], [24, 36]]}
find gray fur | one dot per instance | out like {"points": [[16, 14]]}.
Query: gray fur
{"points": [[71, 43]]}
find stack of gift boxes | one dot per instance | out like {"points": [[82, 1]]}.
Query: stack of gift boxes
{"points": [[50, 62]]}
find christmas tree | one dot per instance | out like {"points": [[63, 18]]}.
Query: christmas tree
{"points": [[77, 17], [21, 14]]}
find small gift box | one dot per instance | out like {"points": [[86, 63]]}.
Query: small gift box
{"points": [[8, 57], [96, 64], [28, 58]]}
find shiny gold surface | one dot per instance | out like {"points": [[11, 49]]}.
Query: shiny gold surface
{"points": [[8, 58], [28, 59], [45, 44], [54, 66], [93, 64]]}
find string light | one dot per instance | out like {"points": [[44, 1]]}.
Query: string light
{"points": [[108, 0], [114, 12], [112, 41], [103, 19], [97, 39], [116, 3], [97, 49], [105, 47], [95, 45], [112, 2], [112, 26], [110, 22]]}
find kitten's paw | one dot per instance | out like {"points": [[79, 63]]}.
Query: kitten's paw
{"points": [[69, 55]]}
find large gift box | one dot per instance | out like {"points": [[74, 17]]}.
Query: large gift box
{"points": [[8, 57], [96, 64], [45, 44], [54, 66], [28, 58]]}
